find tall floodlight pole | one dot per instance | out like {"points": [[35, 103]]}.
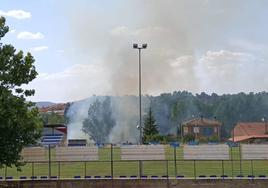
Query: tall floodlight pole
{"points": [[265, 124], [143, 46]]}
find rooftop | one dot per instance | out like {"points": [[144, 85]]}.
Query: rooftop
{"points": [[57, 108], [249, 130], [202, 122]]}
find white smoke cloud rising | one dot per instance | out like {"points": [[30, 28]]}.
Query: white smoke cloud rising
{"points": [[181, 36], [77, 113], [186, 39], [192, 45]]}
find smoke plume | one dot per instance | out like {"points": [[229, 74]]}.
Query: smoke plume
{"points": [[184, 51]]}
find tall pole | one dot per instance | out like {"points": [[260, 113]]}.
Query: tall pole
{"points": [[265, 125], [143, 46], [140, 94]]}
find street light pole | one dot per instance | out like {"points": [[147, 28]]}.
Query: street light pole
{"points": [[265, 124], [143, 46], [140, 95]]}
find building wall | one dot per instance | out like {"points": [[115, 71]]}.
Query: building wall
{"points": [[48, 130], [202, 131]]}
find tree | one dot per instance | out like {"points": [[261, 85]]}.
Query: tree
{"points": [[52, 118], [100, 121], [188, 138], [20, 124], [150, 129]]}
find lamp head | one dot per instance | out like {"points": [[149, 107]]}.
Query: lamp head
{"points": [[135, 46], [144, 46]]}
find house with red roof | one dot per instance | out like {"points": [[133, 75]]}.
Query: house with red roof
{"points": [[202, 128], [250, 132], [55, 108]]}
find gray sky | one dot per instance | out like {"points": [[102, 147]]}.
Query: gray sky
{"points": [[85, 47]]}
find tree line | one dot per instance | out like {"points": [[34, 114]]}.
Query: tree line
{"points": [[166, 112]]}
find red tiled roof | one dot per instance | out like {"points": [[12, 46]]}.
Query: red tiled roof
{"points": [[243, 138], [201, 122], [55, 107], [248, 130]]}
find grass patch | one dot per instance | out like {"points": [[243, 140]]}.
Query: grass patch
{"points": [[102, 167]]}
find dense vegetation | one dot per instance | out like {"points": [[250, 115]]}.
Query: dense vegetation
{"points": [[20, 124], [172, 109], [52, 118], [169, 110]]}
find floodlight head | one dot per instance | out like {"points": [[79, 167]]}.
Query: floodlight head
{"points": [[135, 46], [144, 45]]}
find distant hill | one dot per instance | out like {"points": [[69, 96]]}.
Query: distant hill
{"points": [[43, 104]]}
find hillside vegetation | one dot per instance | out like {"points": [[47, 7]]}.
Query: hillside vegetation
{"points": [[171, 109]]}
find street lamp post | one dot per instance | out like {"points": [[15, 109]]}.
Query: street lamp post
{"points": [[143, 46], [265, 124]]}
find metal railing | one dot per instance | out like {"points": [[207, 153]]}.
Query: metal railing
{"points": [[111, 166]]}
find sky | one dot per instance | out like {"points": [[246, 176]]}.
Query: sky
{"points": [[84, 48]]}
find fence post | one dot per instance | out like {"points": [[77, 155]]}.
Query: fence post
{"points": [[222, 168], [112, 162], [252, 172], [194, 170], [240, 160], [140, 168], [167, 168], [85, 169], [232, 164], [5, 172], [59, 169], [175, 161], [32, 168], [49, 161]]}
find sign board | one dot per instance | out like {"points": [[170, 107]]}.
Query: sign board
{"points": [[206, 152], [254, 151], [143, 152], [34, 154], [78, 153]]}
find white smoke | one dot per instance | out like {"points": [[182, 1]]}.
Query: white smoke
{"points": [[126, 113], [188, 49], [77, 113], [124, 110]]}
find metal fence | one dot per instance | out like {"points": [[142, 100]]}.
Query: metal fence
{"points": [[110, 165]]}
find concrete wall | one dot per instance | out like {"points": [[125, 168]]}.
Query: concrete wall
{"points": [[136, 184]]}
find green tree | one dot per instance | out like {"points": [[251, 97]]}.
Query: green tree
{"points": [[188, 138], [150, 128], [52, 118], [100, 121], [20, 124]]}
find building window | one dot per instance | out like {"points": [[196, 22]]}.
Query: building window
{"points": [[185, 130], [215, 129], [196, 129], [208, 131]]}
